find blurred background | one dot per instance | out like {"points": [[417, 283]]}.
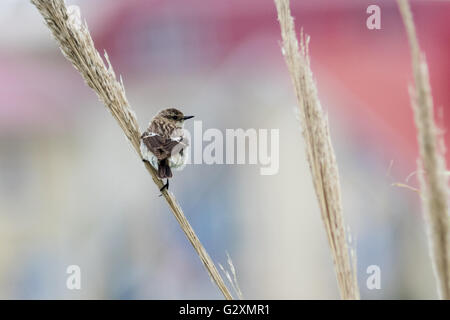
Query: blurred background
{"points": [[73, 192]]}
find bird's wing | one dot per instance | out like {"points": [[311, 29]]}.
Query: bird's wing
{"points": [[178, 135], [163, 147]]}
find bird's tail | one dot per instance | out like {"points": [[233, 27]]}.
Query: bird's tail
{"points": [[164, 169]]}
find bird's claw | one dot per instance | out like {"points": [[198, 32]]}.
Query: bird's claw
{"points": [[166, 186]]}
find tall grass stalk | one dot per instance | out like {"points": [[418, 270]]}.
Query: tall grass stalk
{"points": [[320, 153], [78, 47], [433, 181]]}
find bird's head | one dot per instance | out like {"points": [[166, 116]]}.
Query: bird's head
{"points": [[174, 115]]}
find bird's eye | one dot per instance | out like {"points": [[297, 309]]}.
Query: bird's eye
{"points": [[174, 117]]}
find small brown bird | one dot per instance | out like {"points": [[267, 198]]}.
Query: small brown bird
{"points": [[164, 145]]}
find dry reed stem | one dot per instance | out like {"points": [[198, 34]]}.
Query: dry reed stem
{"points": [[434, 183], [78, 47], [320, 153], [406, 186]]}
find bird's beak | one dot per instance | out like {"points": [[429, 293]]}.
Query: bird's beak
{"points": [[187, 117]]}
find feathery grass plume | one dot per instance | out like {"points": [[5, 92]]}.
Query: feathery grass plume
{"points": [[78, 47], [232, 279], [320, 153], [434, 184]]}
